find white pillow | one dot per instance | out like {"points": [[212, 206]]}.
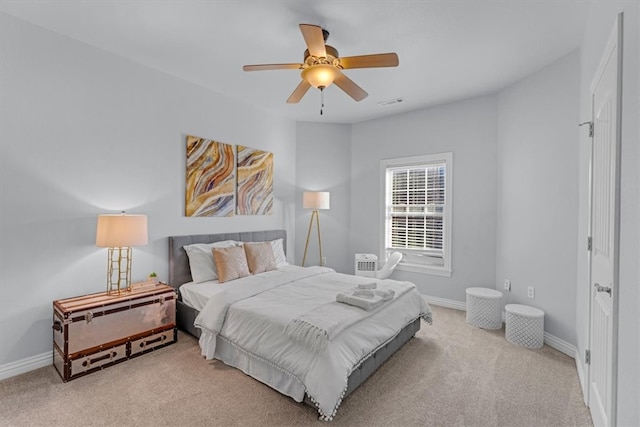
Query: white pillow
{"points": [[278, 253], [201, 263]]}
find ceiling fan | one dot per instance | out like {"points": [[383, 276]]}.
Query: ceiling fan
{"points": [[323, 66]]}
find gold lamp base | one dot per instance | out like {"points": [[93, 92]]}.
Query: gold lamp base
{"points": [[119, 271]]}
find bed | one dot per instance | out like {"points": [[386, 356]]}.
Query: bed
{"points": [[349, 355]]}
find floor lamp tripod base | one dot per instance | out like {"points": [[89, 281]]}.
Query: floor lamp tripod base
{"points": [[314, 215]]}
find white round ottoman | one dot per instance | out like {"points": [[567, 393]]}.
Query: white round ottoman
{"points": [[484, 308], [524, 325]]}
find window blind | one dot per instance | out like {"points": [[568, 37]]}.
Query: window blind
{"points": [[415, 208]]}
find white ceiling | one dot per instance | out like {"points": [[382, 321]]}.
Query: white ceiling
{"points": [[448, 49]]}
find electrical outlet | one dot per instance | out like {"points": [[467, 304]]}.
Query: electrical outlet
{"points": [[324, 261], [531, 292], [507, 284]]}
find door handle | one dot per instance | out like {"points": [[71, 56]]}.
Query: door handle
{"points": [[599, 288]]}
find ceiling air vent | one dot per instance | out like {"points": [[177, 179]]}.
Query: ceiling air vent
{"points": [[390, 102]]}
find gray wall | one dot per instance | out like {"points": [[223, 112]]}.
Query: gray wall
{"points": [[600, 21], [323, 157], [85, 132], [466, 128], [538, 192]]}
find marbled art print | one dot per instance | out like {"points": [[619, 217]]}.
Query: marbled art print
{"points": [[255, 182], [210, 180]]}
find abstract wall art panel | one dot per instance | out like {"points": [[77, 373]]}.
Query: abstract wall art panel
{"points": [[255, 182], [210, 181]]}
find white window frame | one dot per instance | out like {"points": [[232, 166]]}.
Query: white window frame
{"points": [[416, 267]]}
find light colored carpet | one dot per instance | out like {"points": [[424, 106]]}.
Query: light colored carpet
{"points": [[450, 374]]}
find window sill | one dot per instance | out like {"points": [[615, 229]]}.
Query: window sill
{"points": [[425, 269]]}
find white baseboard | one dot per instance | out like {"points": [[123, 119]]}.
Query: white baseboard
{"points": [[12, 369], [582, 377], [551, 340], [447, 303], [560, 345]]}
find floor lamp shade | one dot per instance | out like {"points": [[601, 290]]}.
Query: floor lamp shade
{"points": [[315, 200], [119, 233]]}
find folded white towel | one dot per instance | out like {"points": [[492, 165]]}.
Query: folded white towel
{"points": [[386, 295], [361, 302], [364, 293], [371, 285]]}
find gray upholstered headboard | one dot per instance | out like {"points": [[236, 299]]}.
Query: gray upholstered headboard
{"points": [[179, 271]]}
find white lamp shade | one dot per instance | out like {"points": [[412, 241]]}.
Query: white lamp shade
{"points": [[120, 230], [315, 200]]}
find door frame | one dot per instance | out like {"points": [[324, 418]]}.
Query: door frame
{"points": [[615, 41]]}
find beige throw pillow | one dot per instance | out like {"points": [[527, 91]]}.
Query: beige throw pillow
{"points": [[260, 257], [231, 263], [201, 263]]}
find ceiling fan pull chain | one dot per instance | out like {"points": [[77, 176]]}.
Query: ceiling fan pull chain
{"points": [[321, 99]]}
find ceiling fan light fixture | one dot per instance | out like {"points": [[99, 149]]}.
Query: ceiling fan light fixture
{"points": [[322, 66], [320, 75]]}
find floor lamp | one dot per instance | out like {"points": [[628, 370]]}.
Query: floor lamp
{"points": [[315, 200]]}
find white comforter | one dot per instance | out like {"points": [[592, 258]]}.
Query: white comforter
{"points": [[254, 311]]}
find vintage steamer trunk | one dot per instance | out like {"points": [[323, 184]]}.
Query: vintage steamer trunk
{"points": [[94, 331]]}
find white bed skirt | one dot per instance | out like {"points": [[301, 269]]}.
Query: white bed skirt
{"points": [[260, 369]]}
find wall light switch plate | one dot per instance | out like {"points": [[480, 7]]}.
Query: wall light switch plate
{"points": [[531, 292], [507, 284]]}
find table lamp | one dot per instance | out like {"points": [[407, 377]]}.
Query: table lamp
{"points": [[119, 232]]}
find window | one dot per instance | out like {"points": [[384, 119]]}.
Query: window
{"points": [[416, 217]]}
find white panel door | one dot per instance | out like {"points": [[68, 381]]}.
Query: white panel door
{"points": [[604, 232]]}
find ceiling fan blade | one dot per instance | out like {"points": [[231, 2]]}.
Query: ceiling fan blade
{"points": [[370, 61], [299, 92], [352, 89], [314, 39], [263, 67]]}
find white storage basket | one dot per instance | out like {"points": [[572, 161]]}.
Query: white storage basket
{"points": [[484, 308], [524, 325]]}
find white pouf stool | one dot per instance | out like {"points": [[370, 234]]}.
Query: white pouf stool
{"points": [[524, 325], [484, 308]]}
